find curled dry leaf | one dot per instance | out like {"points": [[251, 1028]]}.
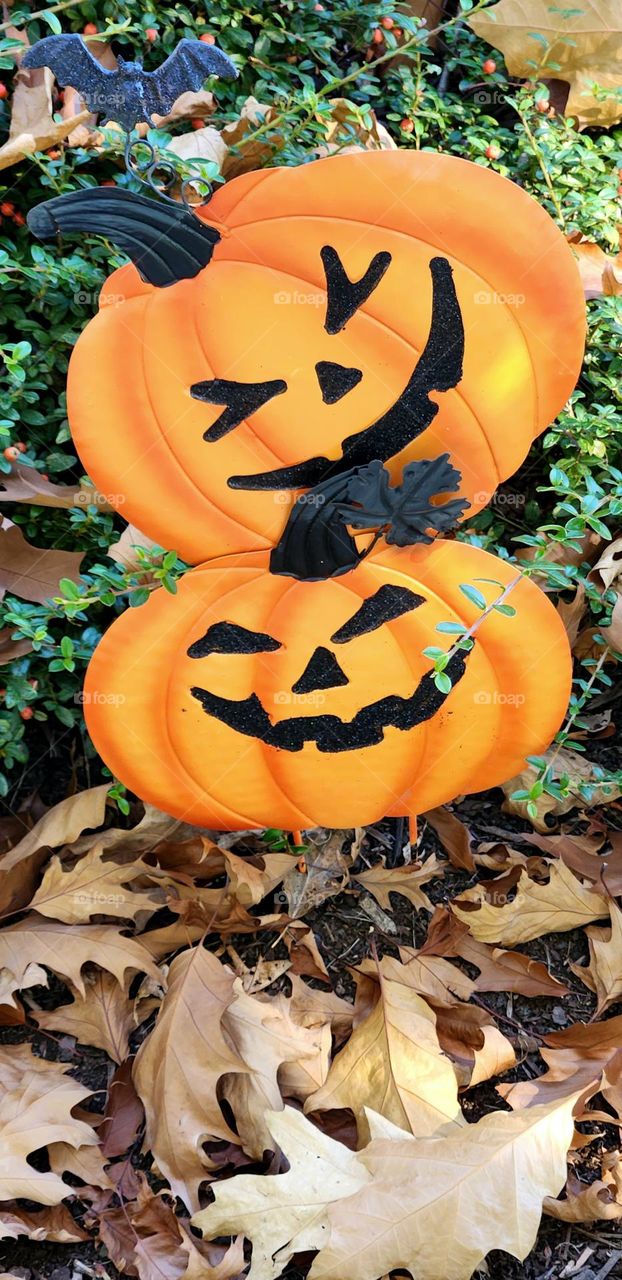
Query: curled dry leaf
{"points": [[124, 1113], [589, 1202], [284, 1058], [600, 274], [562, 903], [408, 880], [577, 1059], [60, 825], [603, 974], [393, 1064], [579, 45], [178, 1067], [499, 970], [103, 1016], [454, 837], [24, 484], [123, 551]]}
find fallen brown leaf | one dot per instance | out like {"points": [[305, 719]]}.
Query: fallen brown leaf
{"points": [[51, 944], [562, 903], [33, 573], [34, 1113], [581, 47], [408, 880], [454, 837], [103, 1017]]}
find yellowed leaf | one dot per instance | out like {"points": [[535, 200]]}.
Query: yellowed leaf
{"points": [[178, 1068], [85, 1162], [603, 975], [286, 1214], [589, 1202], [562, 903], [54, 1224], [394, 1065], [580, 45], [600, 274], [93, 886]]}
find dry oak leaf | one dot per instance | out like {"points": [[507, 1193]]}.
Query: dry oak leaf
{"points": [[588, 1202], [580, 45], [393, 1064], [24, 484], [408, 880], [309, 1006], [53, 1224], [248, 882], [436, 1206], [123, 551], [60, 825], [103, 1016], [578, 1059], [562, 903], [603, 974], [66, 951], [33, 573], [86, 1163], [284, 1059], [287, 1213], [32, 1115], [93, 886], [499, 970], [178, 1068]]}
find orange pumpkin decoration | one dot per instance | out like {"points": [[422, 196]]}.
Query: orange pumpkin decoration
{"points": [[393, 305], [252, 699]]}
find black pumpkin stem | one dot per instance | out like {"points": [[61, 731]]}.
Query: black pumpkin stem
{"points": [[164, 241], [317, 544]]}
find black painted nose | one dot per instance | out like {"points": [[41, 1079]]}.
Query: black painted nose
{"points": [[336, 380], [321, 672]]}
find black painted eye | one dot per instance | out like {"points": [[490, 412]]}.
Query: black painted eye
{"points": [[241, 399], [345, 296], [229, 637], [387, 603]]}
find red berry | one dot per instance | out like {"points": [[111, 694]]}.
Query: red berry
{"points": [[377, 36], [11, 453], [493, 151], [90, 29], [208, 38], [543, 105], [7, 209], [110, 182], [4, 93], [19, 219], [319, 8], [19, 444], [54, 153], [398, 33], [387, 23], [407, 125], [44, 475], [151, 34], [489, 66], [197, 123], [27, 713]]}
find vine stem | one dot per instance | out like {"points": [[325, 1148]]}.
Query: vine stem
{"points": [[21, 20], [468, 635], [541, 161], [335, 85]]}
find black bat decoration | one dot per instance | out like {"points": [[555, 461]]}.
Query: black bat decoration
{"points": [[129, 94], [316, 542]]}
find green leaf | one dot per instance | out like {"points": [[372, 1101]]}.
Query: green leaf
{"points": [[473, 595]]}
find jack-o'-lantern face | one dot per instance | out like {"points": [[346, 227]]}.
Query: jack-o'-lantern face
{"points": [[296, 703], [391, 306]]}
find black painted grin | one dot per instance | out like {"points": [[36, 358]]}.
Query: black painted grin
{"points": [[331, 733], [439, 368]]}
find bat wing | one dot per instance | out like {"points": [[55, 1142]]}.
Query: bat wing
{"points": [[187, 68], [72, 63]]}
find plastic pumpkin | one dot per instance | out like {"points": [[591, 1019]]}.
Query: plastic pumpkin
{"points": [[392, 305], [252, 699]]}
